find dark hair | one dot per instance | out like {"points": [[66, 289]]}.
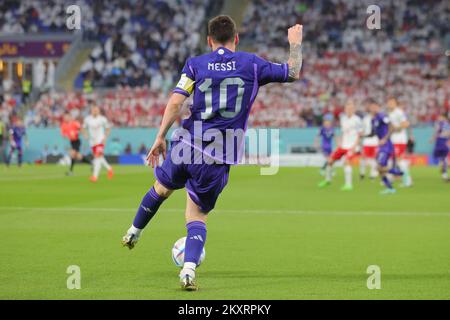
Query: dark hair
{"points": [[222, 29], [371, 101]]}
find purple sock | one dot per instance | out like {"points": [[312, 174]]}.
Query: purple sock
{"points": [[396, 171], [195, 241], [386, 182], [148, 208], [20, 157]]}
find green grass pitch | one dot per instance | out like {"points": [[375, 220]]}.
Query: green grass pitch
{"points": [[270, 237]]}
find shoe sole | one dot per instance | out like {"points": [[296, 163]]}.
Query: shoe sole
{"points": [[128, 245], [189, 287]]}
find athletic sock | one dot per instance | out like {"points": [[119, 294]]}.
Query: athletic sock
{"points": [[97, 166], [373, 168], [105, 163], [195, 241], [348, 175], [387, 182], [148, 208], [404, 167], [395, 171], [72, 164], [362, 167], [328, 172], [20, 158]]}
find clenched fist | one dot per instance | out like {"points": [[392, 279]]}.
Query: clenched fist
{"points": [[295, 34]]}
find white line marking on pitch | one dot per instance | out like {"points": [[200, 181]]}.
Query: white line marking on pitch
{"points": [[250, 211]]}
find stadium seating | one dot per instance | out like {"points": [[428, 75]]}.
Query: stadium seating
{"points": [[142, 46]]}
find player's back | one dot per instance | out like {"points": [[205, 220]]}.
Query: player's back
{"points": [[225, 84], [380, 124]]}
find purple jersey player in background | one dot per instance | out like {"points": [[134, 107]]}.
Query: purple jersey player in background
{"points": [[17, 134], [441, 140], [382, 129], [224, 84], [326, 136]]}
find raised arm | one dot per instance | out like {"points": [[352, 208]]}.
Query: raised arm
{"points": [[295, 37], [171, 113]]}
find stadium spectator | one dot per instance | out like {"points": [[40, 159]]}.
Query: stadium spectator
{"points": [[143, 44]]}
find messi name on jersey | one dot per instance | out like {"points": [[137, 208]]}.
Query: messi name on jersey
{"points": [[222, 66]]}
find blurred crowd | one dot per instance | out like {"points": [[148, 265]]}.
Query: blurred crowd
{"points": [[143, 42], [343, 59], [142, 46], [124, 107]]}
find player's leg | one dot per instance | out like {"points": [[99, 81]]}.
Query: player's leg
{"points": [[106, 165], [383, 169], [96, 167], [169, 177], [328, 173], [204, 186], [72, 161], [395, 167], [147, 209], [373, 164], [348, 172], [335, 156], [9, 155], [195, 242], [19, 156], [404, 167], [362, 165], [444, 168], [326, 154]]}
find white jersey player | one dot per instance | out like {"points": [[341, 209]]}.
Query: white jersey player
{"points": [[369, 149], [351, 128], [96, 128], [399, 138]]}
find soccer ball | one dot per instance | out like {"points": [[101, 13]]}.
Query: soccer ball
{"points": [[178, 253]]}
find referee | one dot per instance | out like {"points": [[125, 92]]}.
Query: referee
{"points": [[70, 129]]}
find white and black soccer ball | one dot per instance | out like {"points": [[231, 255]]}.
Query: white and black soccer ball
{"points": [[178, 253]]}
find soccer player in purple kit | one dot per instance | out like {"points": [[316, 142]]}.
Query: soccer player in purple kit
{"points": [[224, 84], [326, 136], [17, 134], [382, 128], [441, 140]]}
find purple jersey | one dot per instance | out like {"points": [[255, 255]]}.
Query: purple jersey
{"points": [[441, 146], [380, 125], [326, 135], [380, 128], [442, 134], [224, 85], [18, 132]]}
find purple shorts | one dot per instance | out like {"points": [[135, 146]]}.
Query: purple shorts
{"points": [[439, 153], [203, 182], [326, 150], [384, 153], [17, 147]]}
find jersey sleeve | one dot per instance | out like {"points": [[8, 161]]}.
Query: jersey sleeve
{"points": [[271, 72], [185, 85]]}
